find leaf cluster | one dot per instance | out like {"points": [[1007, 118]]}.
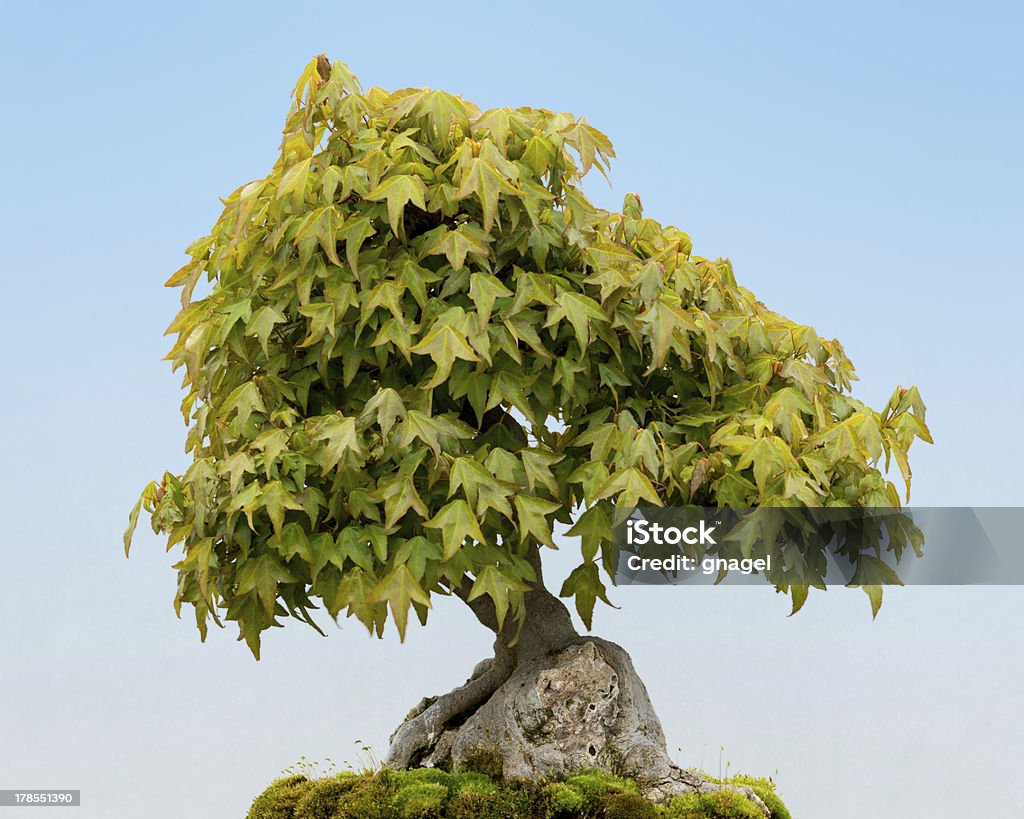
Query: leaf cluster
{"points": [[415, 346]]}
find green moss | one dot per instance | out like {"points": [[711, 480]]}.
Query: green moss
{"points": [[561, 799], [507, 802], [473, 782], [765, 788], [325, 796], [431, 775], [596, 786], [280, 799], [628, 806], [475, 805], [420, 800], [519, 800], [368, 798], [716, 805], [428, 793]]}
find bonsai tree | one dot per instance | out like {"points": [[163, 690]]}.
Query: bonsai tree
{"points": [[418, 347]]}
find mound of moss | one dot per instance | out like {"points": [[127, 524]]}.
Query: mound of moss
{"points": [[428, 793]]}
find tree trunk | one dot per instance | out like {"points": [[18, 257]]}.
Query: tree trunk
{"points": [[548, 706]]}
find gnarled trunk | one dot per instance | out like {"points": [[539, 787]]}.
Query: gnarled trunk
{"points": [[552, 704]]}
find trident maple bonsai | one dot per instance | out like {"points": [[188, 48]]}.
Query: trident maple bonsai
{"points": [[421, 346]]}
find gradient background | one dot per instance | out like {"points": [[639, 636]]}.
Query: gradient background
{"points": [[861, 164]]}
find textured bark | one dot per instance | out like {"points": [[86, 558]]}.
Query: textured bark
{"points": [[551, 705]]}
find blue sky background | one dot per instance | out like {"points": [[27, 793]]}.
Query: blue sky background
{"points": [[861, 165]]}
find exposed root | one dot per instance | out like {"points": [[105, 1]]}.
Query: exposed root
{"points": [[417, 737]]}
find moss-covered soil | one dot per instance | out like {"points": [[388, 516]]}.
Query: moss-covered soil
{"points": [[433, 794]]}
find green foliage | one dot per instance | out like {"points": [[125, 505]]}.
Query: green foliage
{"points": [[418, 346], [433, 794]]}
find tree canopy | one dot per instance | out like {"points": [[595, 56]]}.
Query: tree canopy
{"points": [[421, 345]]}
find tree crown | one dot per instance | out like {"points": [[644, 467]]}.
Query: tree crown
{"points": [[422, 345]]}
